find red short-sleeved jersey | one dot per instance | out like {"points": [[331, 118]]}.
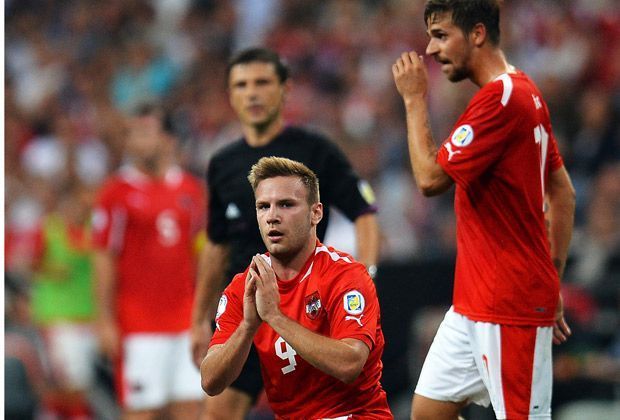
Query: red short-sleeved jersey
{"points": [[332, 296], [150, 226], [500, 155]]}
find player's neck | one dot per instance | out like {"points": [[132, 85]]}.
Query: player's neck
{"points": [[491, 64], [261, 136], [154, 168], [288, 269]]}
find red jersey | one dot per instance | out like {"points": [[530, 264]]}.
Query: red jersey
{"points": [[500, 155], [333, 296], [150, 225]]}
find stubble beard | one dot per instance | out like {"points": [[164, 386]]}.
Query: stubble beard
{"points": [[458, 74]]}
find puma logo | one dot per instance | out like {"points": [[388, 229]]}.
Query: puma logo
{"points": [[355, 318], [451, 153]]}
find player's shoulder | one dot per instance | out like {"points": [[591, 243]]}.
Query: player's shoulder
{"points": [[334, 264], [115, 183], [513, 89], [237, 284], [190, 180]]}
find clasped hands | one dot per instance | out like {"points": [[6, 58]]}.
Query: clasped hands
{"points": [[261, 299]]}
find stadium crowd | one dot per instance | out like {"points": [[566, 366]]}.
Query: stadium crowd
{"points": [[73, 69]]}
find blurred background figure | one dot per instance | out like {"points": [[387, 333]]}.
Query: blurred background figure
{"points": [[62, 121], [26, 376], [146, 221], [63, 302]]}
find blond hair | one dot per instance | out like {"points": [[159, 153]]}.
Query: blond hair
{"points": [[271, 167]]}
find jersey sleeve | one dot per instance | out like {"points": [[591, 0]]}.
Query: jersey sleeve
{"points": [[352, 195], [229, 311], [479, 138], [353, 306], [217, 224], [109, 219], [554, 159]]}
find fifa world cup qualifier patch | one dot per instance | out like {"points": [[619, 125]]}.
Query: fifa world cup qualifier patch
{"points": [[354, 302], [463, 135], [313, 305], [221, 306]]}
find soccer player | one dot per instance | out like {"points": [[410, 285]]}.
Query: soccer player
{"points": [[258, 84], [145, 224], [494, 344], [311, 311]]}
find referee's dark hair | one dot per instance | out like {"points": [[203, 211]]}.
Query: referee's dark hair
{"points": [[262, 55]]}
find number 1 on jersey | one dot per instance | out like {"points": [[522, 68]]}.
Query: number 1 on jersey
{"points": [[284, 352], [541, 137]]}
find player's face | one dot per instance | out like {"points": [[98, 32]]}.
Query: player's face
{"points": [[146, 139], [256, 93], [285, 218], [448, 46]]}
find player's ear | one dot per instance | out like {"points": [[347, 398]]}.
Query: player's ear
{"points": [[286, 88], [478, 34], [316, 213]]}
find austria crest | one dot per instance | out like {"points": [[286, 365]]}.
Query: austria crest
{"points": [[313, 305]]}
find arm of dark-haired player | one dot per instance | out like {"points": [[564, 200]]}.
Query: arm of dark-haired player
{"points": [[561, 200], [410, 77]]}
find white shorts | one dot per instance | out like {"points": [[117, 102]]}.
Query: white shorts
{"points": [[72, 350], [156, 370], [481, 362]]}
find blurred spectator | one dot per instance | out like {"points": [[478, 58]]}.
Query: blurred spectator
{"points": [[600, 241], [142, 75], [25, 374], [63, 303]]}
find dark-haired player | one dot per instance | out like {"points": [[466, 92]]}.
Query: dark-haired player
{"points": [[494, 344]]}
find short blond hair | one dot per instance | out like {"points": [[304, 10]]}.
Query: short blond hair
{"points": [[271, 167]]}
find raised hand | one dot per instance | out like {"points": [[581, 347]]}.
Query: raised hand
{"points": [[410, 75], [250, 314], [267, 293]]}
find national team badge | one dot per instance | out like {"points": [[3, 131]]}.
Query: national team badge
{"points": [[313, 305], [463, 135], [354, 302]]}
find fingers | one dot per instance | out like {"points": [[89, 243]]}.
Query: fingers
{"points": [[250, 282], [561, 331], [262, 267], [407, 59]]}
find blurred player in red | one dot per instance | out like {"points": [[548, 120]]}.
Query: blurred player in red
{"points": [[311, 311], [494, 345], [145, 224]]}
